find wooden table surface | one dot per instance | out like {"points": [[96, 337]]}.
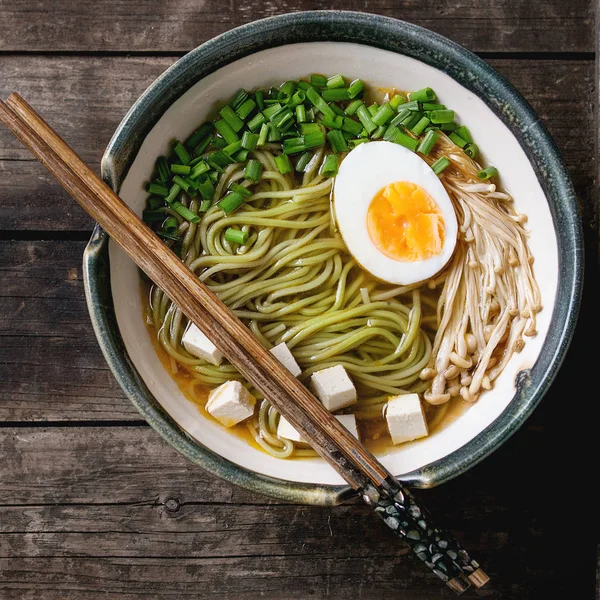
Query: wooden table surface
{"points": [[94, 504]]}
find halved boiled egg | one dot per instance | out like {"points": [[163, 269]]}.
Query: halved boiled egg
{"points": [[394, 214]]}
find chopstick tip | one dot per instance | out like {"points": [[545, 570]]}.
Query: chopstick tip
{"points": [[458, 584]]}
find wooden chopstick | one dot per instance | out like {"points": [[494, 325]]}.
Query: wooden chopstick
{"points": [[394, 504]]}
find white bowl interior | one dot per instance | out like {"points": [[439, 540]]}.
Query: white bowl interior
{"points": [[385, 69]]}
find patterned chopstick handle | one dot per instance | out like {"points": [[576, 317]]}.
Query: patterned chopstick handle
{"points": [[437, 548]]}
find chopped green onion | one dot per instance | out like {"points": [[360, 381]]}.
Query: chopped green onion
{"points": [[167, 236], [245, 109], [231, 118], [448, 126], [329, 168], [337, 81], [424, 95], [184, 185], [152, 216], [235, 236], [180, 169], [487, 173], [335, 95], [428, 142], [200, 134], [428, 106], [335, 123], [407, 141], [402, 114], [206, 188], [300, 113], [373, 109], [337, 141], [253, 170], [472, 150], [441, 116], [312, 140], [231, 202], [465, 134], [310, 114], [162, 169], [303, 85], [391, 133], [204, 206], [298, 98], [219, 160], [250, 140], [157, 188], [260, 99], [318, 102], [241, 155], [282, 119], [186, 213], [271, 110], [155, 202], [457, 140], [175, 189], [170, 225], [219, 142], [262, 136], [353, 143], [412, 105], [365, 118], [256, 121], [244, 191], [274, 133], [420, 126], [213, 176], [286, 90], [182, 153], [355, 88], [231, 149], [239, 98], [397, 100], [202, 146], [353, 107], [309, 128], [378, 132], [304, 161], [229, 135], [294, 145], [352, 126], [199, 169], [412, 119], [440, 164], [383, 115], [284, 164], [318, 80]]}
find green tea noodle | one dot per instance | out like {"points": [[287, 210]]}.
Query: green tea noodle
{"points": [[294, 282]]}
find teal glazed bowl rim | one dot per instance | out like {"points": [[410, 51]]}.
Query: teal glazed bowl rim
{"points": [[392, 35]]}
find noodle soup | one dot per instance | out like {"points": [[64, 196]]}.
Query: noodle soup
{"points": [[261, 203]]}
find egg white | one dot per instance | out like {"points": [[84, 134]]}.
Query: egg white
{"points": [[363, 173]]}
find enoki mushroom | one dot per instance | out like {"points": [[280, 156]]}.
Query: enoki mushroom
{"points": [[490, 298]]}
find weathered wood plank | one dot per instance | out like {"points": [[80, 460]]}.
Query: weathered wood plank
{"points": [[51, 367], [124, 25], [118, 511], [85, 98]]}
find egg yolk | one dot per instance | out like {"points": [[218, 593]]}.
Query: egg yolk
{"points": [[405, 223]]}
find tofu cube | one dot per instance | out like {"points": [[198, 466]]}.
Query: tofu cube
{"points": [[349, 422], [197, 344], [286, 430], [283, 354], [334, 388], [230, 403], [405, 418]]}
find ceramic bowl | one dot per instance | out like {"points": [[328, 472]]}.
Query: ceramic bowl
{"points": [[389, 53]]}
